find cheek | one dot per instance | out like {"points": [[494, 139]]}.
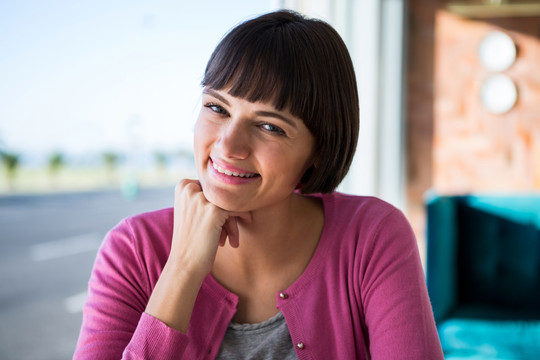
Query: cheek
{"points": [[294, 162], [201, 138], [305, 155]]}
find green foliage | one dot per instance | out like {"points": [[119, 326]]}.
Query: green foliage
{"points": [[56, 162], [111, 159], [161, 159], [11, 163]]}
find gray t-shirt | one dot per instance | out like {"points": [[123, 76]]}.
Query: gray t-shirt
{"points": [[268, 340]]}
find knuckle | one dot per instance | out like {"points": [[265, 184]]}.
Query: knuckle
{"points": [[185, 184], [180, 185]]}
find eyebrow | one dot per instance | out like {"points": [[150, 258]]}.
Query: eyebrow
{"points": [[276, 115], [215, 94]]}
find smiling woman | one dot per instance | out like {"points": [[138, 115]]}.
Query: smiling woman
{"points": [[260, 258]]}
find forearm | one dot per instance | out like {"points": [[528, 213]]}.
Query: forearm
{"points": [[173, 298]]}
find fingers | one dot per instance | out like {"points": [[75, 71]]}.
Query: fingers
{"points": [[222, 238], [230, 231], [231, 227]]}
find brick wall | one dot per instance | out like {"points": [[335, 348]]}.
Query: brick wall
{"points": [[473, 149], [453, 144]]}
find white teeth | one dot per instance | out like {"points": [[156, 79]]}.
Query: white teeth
{"points": [[231, 173]]}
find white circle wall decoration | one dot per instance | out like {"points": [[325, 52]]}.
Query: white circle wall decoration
{"points": [[498, 94], [497, 51]]}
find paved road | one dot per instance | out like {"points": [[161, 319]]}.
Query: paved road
{"points": [[47, 247]]}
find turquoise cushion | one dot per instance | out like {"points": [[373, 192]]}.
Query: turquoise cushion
{"points": [[484, 253], [498, 261], [483, 272], [490, 339]]}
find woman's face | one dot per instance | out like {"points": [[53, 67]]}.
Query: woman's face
{"points": [[249, 155]]}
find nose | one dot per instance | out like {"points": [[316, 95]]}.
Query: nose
{"points": [[233, 141]]}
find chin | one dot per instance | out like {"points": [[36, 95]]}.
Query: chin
{"points": [[222, 199]]}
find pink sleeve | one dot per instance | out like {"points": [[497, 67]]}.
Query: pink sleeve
{"points": [[398, 313], [114, 323]]}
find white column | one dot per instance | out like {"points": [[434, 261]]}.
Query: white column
{"points": [[392, 159], [364, 46]]}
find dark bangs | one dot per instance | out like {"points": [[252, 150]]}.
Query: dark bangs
{"points": [[303, 66], [263, 62]]}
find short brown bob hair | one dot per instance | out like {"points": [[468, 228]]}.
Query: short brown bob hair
{"points": [[302, 65]]}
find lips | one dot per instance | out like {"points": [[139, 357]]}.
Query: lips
{"points": [[233, 172]]}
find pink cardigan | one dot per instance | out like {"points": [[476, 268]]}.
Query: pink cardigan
{"points": [[362, 296]]}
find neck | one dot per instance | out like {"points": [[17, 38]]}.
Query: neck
{"points": [[276, 240]]}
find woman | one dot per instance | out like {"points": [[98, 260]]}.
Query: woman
{"points": [[260, 258]]}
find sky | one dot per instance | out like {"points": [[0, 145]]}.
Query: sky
{"points": [[83, 77]]}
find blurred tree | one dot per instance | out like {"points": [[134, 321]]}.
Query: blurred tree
{"points": [[111, 160], [56, 162], [161, 159], [11, 163]]}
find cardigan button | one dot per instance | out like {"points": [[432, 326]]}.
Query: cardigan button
{"points": [[300, 345], [283, 295]]}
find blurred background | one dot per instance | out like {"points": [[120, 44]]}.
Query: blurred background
{"points": [[98, 100]]}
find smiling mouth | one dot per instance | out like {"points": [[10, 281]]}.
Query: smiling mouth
{"points": [[233, 173]]}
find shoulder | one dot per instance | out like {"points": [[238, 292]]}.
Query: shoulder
{"points": [[356, 202], [354, 211], [364, 226], [149, 222]]}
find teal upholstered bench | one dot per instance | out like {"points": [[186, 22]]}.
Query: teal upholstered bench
{"points": [[483, 274]]}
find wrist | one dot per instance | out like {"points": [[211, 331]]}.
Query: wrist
{"points": [[185, 271]]}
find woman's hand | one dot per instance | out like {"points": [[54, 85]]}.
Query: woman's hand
{"points": [[199, 228]]}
